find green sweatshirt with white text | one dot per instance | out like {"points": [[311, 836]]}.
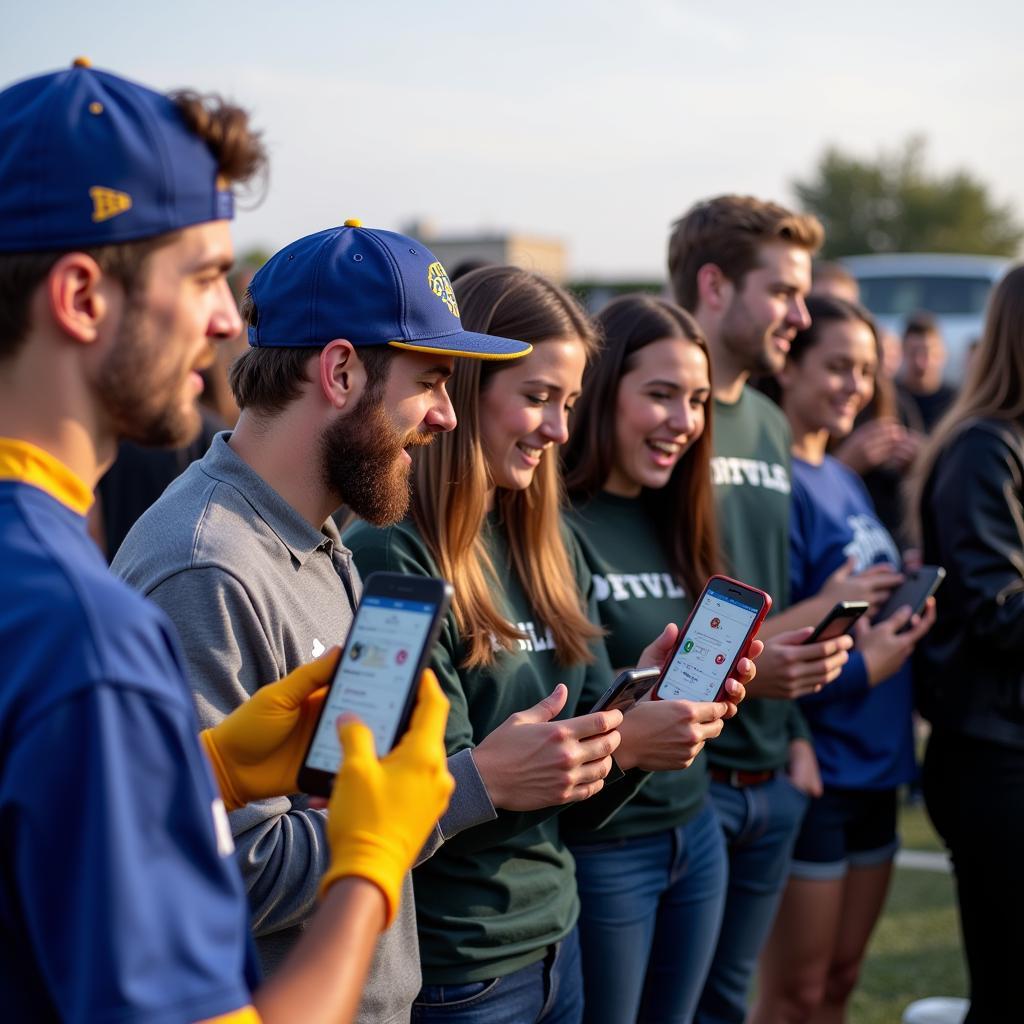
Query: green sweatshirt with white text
{"points": [[637, 596], [750, 471], [493, 898]]}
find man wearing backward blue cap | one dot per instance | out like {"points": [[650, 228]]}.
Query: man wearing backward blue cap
{"points": [[120, 897], [352, 334]]}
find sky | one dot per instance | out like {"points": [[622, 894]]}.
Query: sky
{"points": [[589, 121]]}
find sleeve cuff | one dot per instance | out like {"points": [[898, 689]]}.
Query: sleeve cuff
{"points": [[470, 804]]}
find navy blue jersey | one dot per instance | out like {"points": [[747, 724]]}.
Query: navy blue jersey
{"points": [[119, 895], [862, 735]]}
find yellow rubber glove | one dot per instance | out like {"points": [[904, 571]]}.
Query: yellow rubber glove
{"points": [[381, 811], [257, 750]]}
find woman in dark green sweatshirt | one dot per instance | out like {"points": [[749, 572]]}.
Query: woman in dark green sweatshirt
{"points": [[651, 881], [497, 904]]}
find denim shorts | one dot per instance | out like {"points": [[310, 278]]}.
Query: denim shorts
{"points": [[843, 829]]}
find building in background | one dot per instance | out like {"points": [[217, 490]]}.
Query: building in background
{"points": [[547, 256]]}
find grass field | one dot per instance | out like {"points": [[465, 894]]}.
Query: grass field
{"points": [[915, 951]]}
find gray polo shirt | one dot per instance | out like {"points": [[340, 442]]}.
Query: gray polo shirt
{"points": [[256, 591]]}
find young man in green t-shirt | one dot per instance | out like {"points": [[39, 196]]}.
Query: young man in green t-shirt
{"points": [[743, 267]]}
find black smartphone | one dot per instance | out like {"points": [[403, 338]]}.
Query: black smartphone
{"points": [[389, 645], [628, 687], [717, 634], [915, 590], [838, 621]]}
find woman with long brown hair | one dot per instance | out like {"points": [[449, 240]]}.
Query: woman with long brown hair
{"points": [[497, 904], [639, 479], [968, 490]]}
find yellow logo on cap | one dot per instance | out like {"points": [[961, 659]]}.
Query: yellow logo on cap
{"points": [[441, 286], [108, 202]]}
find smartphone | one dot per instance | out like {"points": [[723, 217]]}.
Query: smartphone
{"points": [[717, 634], [915, 590], [389, 645], [628, 687], [838, 621]]}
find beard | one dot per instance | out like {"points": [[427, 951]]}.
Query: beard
{"points": [[748, 343], [361, 456], [140, 393]]}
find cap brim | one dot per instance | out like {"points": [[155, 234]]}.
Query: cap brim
{"points": [[468, 345]]}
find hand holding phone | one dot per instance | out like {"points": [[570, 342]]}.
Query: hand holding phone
{"points": [[666, 735], [838, 621], [382, 809], [887, 644], [628, 688], [717, 634], [914, 592], [532, 761], [389, 645]]}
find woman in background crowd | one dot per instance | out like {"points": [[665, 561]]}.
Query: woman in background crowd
{"points": [[861, 723], [969, 493]]}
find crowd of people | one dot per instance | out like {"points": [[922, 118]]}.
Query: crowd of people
{"points": [[518, 857]]}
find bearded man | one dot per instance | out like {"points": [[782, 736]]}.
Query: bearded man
{"points": [[351, 343]]}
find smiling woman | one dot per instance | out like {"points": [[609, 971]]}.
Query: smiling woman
{"points": [[638, 467]]}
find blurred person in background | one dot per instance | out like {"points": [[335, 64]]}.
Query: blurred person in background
{"points": [[861, 723], [926, 397], [968, 490], [830, 278]]}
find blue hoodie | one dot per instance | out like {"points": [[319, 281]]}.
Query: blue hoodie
{"points": [[863, 735]]}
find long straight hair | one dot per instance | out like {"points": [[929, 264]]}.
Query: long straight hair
{"points": [[683, 510], [994, 388], [451, 481]]}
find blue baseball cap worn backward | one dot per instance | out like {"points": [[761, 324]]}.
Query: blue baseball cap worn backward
{"points": [[369, 287], [88, 159]]}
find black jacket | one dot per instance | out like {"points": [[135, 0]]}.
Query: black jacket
{"points": [[969, 669]]}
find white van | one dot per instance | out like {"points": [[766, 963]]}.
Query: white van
{"points": [[954, 289]]}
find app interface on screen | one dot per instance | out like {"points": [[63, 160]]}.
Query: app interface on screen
{"points": [[706, 654], [382, 653]]}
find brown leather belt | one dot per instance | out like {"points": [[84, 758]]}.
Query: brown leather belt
{"points": [[732, 777]]}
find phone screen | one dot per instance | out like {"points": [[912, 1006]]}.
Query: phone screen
{"points": [[374, 674], [712, 641]]}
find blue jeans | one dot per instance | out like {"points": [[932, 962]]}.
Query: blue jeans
{"points": [[547, 992], [649, 916], [760, 824]]}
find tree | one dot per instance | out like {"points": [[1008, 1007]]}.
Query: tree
{"points": [[895, 204]]}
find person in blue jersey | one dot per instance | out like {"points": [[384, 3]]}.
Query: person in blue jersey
{"points": [[652, 880], [860, 724], [522, 659], [120, 899]]}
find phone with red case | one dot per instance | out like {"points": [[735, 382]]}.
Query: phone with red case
{"points": [[717, 634]]}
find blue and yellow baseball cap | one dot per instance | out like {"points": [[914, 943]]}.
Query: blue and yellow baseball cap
{"points": [[368, 286], [88, 158]]}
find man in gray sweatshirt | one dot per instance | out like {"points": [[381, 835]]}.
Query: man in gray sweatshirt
{"points": [[352, 334]]}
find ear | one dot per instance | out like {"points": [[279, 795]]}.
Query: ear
{"points": [[78, 296], [342, 375], [714, 289]]}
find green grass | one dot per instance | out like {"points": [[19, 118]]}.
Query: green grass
{"points": [[915, 950], [916, 830]]}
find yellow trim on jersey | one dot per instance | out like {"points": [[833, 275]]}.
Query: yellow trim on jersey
{"points": [[246, 1015], [20, 460], [458, 353]]}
